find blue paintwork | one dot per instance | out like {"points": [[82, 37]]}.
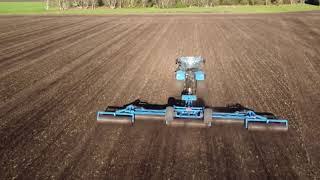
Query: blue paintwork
{"points": [[180, 75], [200, 76], [189, 97], [195, 113], [188, 112], [247, 117]]}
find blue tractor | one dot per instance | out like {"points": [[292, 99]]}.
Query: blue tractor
{"points": [[189, 111]]}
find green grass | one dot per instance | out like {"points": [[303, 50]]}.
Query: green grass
{"points": [[38, 8], [22, 8]]}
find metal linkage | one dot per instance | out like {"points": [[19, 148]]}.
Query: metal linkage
{"points": [[249, 119], [130, 111], [188, 112]]}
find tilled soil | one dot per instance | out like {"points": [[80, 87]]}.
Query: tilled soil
{"points": [[56, 72]]}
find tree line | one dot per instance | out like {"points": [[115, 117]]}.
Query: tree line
{"points": [[65, 4]]}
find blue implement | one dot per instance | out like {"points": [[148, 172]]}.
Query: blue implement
{"points": [[188, 111]]}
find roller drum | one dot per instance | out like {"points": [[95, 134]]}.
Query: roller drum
{"points": [[188, 123], [149, 117], [111, 119], [228, 121], [267, 127]]}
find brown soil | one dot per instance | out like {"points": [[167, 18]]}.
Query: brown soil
{"points": [[56, 72]]}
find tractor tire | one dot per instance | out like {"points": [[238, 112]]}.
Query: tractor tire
{"points": [[171, 101], [169, 115]]}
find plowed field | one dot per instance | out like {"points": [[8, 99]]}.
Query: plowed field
{"points": [[57, 71]]}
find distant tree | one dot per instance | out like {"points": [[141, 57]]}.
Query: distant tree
{"points": [[47, 4], [65, 4], [144, 3], [60, 4]]}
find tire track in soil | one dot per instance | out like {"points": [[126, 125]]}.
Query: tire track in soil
{"points": [[40, 83], [31, 43], [146, 64], [215, 145], [44, 79], [33, 32], [114, 151], [35, 113], [17, 24], [154, 161], [34, 72], [242, 64], [298, 121], [119, 69], [55, 81], [47, 42]]}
